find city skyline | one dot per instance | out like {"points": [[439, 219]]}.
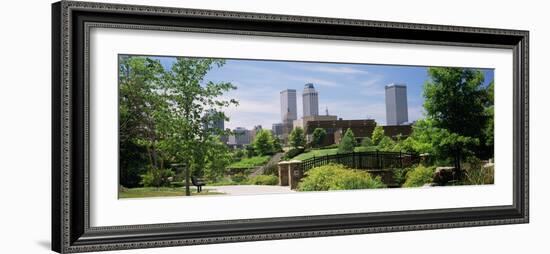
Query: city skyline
{"points": [[350, 91]]}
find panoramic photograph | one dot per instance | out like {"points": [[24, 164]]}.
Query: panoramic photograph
{"points": [[193, 126]]}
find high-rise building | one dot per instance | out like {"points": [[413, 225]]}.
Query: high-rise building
{"points": [[217, 123], [310, 100], [288, 111], [396, 104], [241, 136], [288, 105], [277, 130]]}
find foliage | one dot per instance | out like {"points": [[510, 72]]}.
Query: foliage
{"points": [[263, 180], [250, 152], [338, 177], [319, 134], [169, 112], [439, 142], [292, 153], [419, 176], [276, 144], [400, 175], [386, 144], [348, 142], [250, 162], [488, 131], [476, 173], [297, 138], [263, 142], [366, 142], [157, 178], [457, 100], [377, 134], [218, 157], [239, 178]]}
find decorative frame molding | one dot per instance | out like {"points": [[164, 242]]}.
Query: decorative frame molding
{"points": [[71, 22]]}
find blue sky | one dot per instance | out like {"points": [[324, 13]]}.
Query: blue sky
{"points": [[350, 91]]}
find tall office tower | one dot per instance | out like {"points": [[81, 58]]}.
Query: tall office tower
{"points": [[310, 100], [288, 105], [277, 130], [396, 104]]}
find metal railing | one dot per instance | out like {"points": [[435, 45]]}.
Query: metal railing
{"points": [[376, 160]]}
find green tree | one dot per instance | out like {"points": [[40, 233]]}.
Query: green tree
{"points": [[456, 99], [490, 113], [276, 144], [263, 142], [218, 157], [184, 115], [139, 77], [377, 134], [297, 138], [367, 142], [319, 134], [348, 142], [439, 142]]}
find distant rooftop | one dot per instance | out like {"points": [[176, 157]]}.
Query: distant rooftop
{"points": [[289, 90], [309, 85], [396, 85]]}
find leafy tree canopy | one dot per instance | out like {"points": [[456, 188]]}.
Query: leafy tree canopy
{"points": [[348, 142], [297, 138]]}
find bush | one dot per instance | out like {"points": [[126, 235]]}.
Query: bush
{"points": [[157, 178], [419, 176], [338, 177], [263, 180], [292, 153], [348, 142], [367, 142], [400, 175], [250, 162], [238, 178], [476, 173]]}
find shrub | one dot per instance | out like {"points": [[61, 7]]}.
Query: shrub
{"points": [[348, 142], [367, 142], [419, 176], [400, 175], [238, 178], [250, 162], [476, 173], [292, 153], [338, 177], [157, 178], [263, 180]]}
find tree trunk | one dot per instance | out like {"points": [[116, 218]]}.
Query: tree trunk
{"points": [[187, 178]]}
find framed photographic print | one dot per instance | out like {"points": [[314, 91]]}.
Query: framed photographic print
{"points": [[181, 126]]}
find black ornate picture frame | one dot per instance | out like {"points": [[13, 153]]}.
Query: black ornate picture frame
{"points": [[71, 230]]}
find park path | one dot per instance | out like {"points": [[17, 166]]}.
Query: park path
{"points": [[273, 161], [249, 189]]}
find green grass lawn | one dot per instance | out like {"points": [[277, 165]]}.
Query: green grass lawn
{"points": [[250, 162], [147, 192], [323, 152]]}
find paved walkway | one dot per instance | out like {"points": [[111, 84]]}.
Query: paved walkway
{"points": [[249, 189]]}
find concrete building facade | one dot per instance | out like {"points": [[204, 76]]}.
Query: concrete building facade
{"points": [[396, 104], [310, 100]]}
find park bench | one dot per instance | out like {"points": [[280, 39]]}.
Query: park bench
{"points": [[198, 182]]}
